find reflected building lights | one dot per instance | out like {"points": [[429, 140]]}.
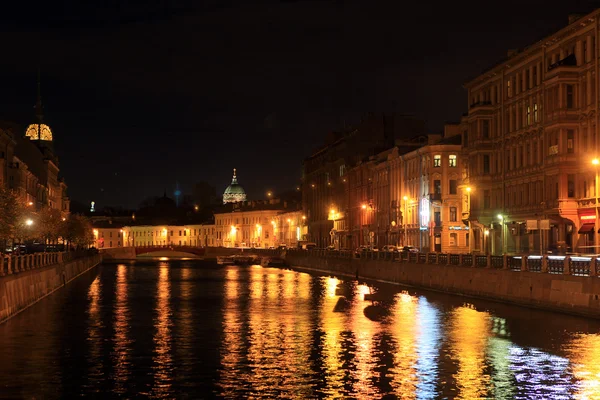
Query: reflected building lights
{"points": [[364, 331], [468, 331], [163, 362], [429, 337], [583, 350], [232, 343], [94, 295], [332, 324], [122, 342], [404, 331]]}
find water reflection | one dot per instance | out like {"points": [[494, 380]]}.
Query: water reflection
{"points": [[468, 332], [122, 341], [196, 330], [363, 332], [332, 323], [404, 331], [163, 362], [584, 352], [94, 333], [231, 354]]}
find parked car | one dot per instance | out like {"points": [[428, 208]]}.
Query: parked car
{"points": [[410, 249], [389, 248]]}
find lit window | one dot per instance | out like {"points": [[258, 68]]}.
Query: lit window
{"points": [[535, 113], [437, 160], [452, 160]]}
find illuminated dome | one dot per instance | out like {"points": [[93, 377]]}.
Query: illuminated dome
{"points": [[234, 192], [39, 132]]}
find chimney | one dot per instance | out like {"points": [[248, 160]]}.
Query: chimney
{"points": [[512, 52], [574, 17]]}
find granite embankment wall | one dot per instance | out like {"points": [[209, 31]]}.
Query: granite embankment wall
{"points": [[22, 287], [577, 295], [118, 253]]}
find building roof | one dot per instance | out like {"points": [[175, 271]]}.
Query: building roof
{"points": [[234, 192]]}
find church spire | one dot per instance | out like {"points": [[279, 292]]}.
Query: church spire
{"points": [[38, 106], [234, 179]]}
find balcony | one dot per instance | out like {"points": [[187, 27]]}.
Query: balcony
{"points": [[435, 197]]}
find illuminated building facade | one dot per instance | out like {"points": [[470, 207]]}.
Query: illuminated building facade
{"points": [[412, 195], [258, 224], [325, 180], [531, 135], [29, 166], [196, 235], [290, 228], [109, 237]]}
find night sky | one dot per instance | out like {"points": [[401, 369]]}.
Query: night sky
{"points": [[141, 95]]}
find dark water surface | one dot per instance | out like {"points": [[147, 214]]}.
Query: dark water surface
{"points": [[193, 329]]}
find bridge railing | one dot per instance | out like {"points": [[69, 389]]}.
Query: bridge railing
{"points": [[14, 264], [552, 264]]}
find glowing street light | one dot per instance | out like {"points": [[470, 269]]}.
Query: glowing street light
{"points": [[30, 203], [29, 222], [269, 194], [364, 206]]}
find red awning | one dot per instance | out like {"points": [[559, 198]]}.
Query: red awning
{"points": [[586, 228]]}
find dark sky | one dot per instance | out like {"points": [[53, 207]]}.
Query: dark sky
{"points": [[143, 94]]}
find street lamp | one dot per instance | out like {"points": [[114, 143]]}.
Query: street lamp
{"points": [[596, 162], [405, 219], [29, 222], [469, 219], [501, 218]]}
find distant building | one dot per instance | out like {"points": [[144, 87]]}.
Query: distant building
{"points": [[256, 224], [234, 193], [108, 234]]}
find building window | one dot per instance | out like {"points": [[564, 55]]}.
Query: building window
{"points": [[109, 234], [486, 164], [453, 239], [486, 199], [485, 129], [437, 160], [569, 96], [437, 186], [452, 186], [342, 170], [452, 160], [528, 115], [571, 185], [570, 140], [452, 214], [508, 88], [535, 113]]}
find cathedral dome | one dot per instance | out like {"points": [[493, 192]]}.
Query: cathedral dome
{"points": [[39, 132], [234, 192]]}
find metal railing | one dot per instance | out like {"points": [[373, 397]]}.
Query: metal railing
{"points": [[552, 264], [13, 264]]}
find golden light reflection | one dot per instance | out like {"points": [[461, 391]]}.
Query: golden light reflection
{"points": [[278, 334], [404, 330], [332, 323], [468, 332], [584, 353], [364, 331], [232, 344], [122, 342], [163, 362], [184, 326], [95, 326]]}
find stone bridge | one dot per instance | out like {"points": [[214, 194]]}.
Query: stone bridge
{"points": [[169, 251]]}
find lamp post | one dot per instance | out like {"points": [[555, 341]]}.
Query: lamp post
{"points": [[469, 219], [405, 198], [596, 162]]}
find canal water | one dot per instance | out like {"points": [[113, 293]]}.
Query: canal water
{"points": [[194, 329]]}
